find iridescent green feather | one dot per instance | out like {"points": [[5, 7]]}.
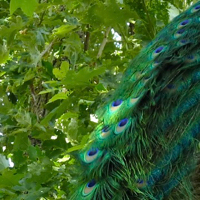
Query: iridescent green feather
{"points": [[145, 144]]}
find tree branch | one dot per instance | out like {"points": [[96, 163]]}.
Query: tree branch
{"points": [[103, 44], [48, 48], [87, 39], [42, 18], [45, 51]]}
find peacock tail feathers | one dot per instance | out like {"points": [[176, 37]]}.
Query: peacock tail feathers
{"points": [[146, 143]]}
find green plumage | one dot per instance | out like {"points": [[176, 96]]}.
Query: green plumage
{"points": [[146, 144]]}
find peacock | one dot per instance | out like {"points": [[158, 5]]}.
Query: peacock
{"points": [[146, 144]]}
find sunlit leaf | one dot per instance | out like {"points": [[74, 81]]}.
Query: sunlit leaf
{"points": [[28, 6], [64, 29], [58, 96]]}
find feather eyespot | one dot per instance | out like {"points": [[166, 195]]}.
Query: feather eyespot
{"points": [[159, 49], [105, 132], [121, 126], [91, 155], [180, 31], [132, 101], [89, 187], [141, 183], [184, 41], [123, 122], [185, 22], [171, 88], [190, 58], [116, 104], [197, 7]]}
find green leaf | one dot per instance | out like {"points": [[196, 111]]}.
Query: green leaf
{"points": [[34, 152], [58, 96], [3, 162], [75, 148], [27, 6], [48, 91], [100, 87], [68, 115], [72, 130], [64, 29], [81, 78], [29, 75], [24, 119], [4, 53], [49, 116], [61, 73], [9, 178], [21, 141]]}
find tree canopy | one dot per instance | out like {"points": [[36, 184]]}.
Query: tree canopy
{"points": [[59, 60]]}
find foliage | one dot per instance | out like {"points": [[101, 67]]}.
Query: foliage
{"points": [[59, 61]]}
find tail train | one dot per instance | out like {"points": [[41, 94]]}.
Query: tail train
{"points": [[146, 145]]}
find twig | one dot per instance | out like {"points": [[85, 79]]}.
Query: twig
{"points": [[45, 51], [103, 44], [48, 48], [42, 18], [33, 93], [87, 39]]}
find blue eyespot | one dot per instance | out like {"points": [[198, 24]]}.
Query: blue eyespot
{"points": [[122, 125], [117, 103], [183, 41], [180, 31], [183, 23], [105, 132], [88, 188], [123, 122], [91, 155], [92, 152], [105, 129], [159, 49], [190, 57], [197, 7], [92, 183], [140, 181]]}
